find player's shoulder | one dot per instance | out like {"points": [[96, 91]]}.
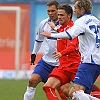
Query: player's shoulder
{"points": [[44, 21], [91, 19], [81, 20]]}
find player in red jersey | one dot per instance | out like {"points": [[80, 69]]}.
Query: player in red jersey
{"points": [[95, 94], [95, 91], [68, 55]]}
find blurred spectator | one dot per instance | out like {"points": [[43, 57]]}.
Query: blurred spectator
{"points": [[42, 0], [71, 1], [58, 0], [96, 1]]}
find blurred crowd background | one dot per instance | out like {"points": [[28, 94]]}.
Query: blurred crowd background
{"points": [[28, 1]]}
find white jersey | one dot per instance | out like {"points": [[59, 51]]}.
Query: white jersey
{"points": [[50, 44], [87, 28]]}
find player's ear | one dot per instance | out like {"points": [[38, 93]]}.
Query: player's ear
{"points": [[82, 10]]}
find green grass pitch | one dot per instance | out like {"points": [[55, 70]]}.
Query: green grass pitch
{"points": [[14, 90]]}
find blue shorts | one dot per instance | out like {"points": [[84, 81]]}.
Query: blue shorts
{"points": [[43, 69], [87, 75]]}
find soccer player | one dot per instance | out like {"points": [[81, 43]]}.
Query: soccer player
{"points": [[47, 62], [95, 91], [67, 53], [95, 94], [87, 28]]}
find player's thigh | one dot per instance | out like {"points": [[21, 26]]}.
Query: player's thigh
{"points": [[60, 74], [86, 76], [43, 70], [53, 81]]}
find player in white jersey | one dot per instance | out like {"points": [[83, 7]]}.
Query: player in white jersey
{"points": [[47, 63], [87, 28]]}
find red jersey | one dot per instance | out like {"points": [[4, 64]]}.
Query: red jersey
{"points": [[68, 48], [70, 59]]}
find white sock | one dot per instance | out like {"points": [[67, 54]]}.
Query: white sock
{"points": [[92, 98], [29, 94], [80, 95]]}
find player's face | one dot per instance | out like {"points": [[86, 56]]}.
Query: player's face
{"points": [[63, 17], [77, 11], [52, 12]]}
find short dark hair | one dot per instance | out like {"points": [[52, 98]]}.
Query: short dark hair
{"points": [[53, 2], [67, 8], [86, 4]]}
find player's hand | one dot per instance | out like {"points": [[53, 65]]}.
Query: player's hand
{"points": [[52, 25], [32, 67], [45, 33], [57, 55], [32, 60]]}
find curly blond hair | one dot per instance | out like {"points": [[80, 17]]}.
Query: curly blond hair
{"points": [[86, 4]]}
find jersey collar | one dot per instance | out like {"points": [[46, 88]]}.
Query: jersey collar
{"points": [[85, 14], [56, 22]]}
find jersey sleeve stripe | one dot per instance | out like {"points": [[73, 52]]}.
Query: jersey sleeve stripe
{"points": [[38, 41], [68, 35]]}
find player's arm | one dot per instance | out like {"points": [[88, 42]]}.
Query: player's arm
{"points": [[52, 25], [71, 33], [37, 45], [72, 46], [68, 50], [60, 35], [36, 48]]}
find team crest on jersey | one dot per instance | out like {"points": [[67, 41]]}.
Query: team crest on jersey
{"points": [[37, 33]]}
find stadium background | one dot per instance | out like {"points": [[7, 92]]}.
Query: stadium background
{"points": [[32, 12]]}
